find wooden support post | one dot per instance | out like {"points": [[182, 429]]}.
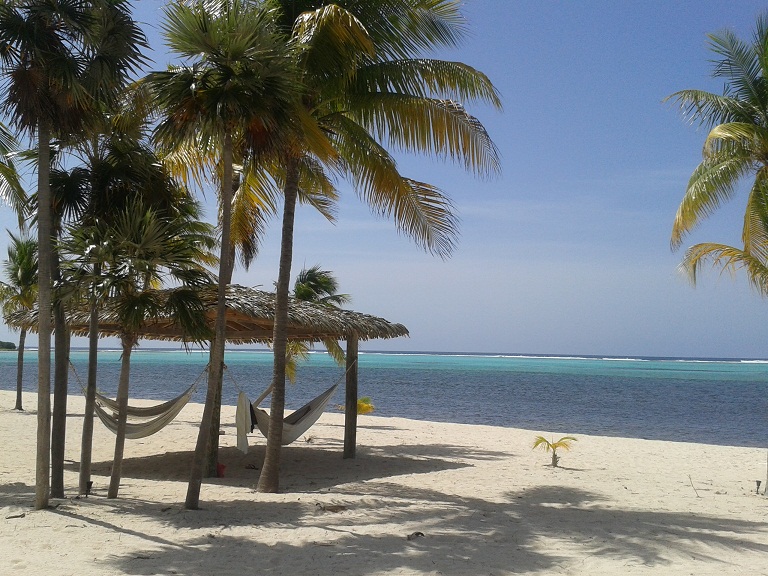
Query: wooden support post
{"points": [[350, 405]]}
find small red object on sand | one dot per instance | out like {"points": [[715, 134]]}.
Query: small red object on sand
{"points": [[220, 470]]}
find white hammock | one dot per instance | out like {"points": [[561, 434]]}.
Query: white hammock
{"points": [[294, 425], [149, 427], [161, 414], [141, 411]]}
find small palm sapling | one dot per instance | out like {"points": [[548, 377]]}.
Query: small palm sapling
{"points": [[564, 443]]}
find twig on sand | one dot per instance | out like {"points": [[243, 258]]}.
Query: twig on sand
{"points": [[330, 507], [694, 487]]}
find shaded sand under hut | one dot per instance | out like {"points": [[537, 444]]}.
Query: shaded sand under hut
{"points": [[250, 320]]}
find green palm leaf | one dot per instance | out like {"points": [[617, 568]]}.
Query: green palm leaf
{"points": [[712, 183]]}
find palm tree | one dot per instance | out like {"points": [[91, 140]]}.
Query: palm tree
{"points": [[238, 87], [58, 60], [736, 147], [142, 250], [38, 41], [564, 443], [366, 82], [118, 166], [20, 292], [320, 287]]}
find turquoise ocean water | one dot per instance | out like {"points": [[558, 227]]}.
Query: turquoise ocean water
{"points": [[690, 400]]}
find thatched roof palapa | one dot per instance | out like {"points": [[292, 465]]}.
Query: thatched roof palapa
{"points": [[250, 319]]}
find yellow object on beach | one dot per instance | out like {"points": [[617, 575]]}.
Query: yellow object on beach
{"points": [[364, 405]]}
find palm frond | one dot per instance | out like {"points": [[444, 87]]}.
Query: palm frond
{"points": [[427, 78], [739, 65], [712, 109], [11, 191], [752, 138], [755, 230], [406, 28], [316, 189], [441, 128], [563, 443], [331, 42], [712, 183], [254, 203], [727, 259], [419, 210]]}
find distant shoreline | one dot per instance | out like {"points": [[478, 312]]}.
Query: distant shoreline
{"points": [[621, 357]]}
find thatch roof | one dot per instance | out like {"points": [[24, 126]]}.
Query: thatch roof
{"points": [[250, 318]]}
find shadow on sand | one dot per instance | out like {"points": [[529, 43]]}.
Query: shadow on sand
{"points": [[461, 535]]}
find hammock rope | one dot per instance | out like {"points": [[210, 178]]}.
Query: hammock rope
{"points": [[160, 415]]}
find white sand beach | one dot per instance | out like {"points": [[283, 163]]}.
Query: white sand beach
{"points": [[481, 501]]}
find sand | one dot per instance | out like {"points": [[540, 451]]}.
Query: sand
{"points": [[476, 500]]}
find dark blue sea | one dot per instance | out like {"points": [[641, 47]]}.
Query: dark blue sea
{"points": [[721, 401]]}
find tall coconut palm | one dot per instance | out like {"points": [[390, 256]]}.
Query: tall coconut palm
{"points": [[53, 75], [115, 43], [237, 82], [142, 250], [19, 292], [118, 167], [367, 83], [38, 41], [736, 148]]}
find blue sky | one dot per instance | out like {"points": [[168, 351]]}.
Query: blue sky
{"points": [[567, 251]]}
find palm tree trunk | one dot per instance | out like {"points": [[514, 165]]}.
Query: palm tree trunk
{"points": [[216, 363], [44, 239], [60, 384], [86, 444], [122, 414], [269, 479], [350, 406], [20, 368], [226, 267]]}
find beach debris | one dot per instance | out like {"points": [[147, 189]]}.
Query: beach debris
{"points": [[414, 535], [692, 486], [765, 490], [553, 446], [331, 507], [19, 515]]}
